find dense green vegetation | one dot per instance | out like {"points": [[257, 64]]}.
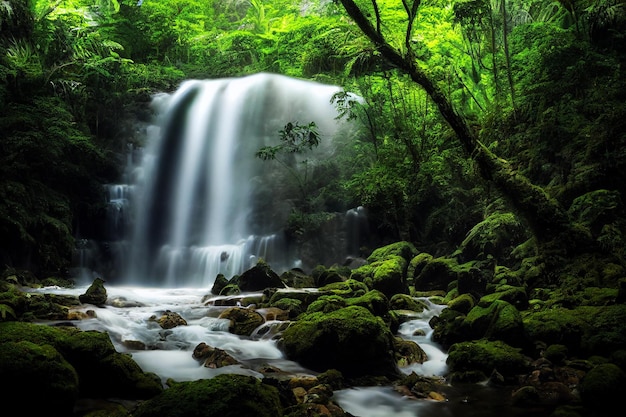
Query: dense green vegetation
{"points": [[473, 110]]}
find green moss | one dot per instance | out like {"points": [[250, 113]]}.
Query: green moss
{"points": [[375, 301], [225, 395], [28, 368], [496, 320], [406, 302], [403, 249], [101, 369], [326, 304], [343, 339], [463, 303], [603, 386], [348, 288], [585, 329], [485, 356]]}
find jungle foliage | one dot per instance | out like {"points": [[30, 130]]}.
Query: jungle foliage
{"points": [[541, 85]]}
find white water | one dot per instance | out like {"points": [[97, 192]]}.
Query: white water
{"points": [[203, 203], [129, 316]]}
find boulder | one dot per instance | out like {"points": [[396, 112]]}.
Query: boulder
{"points": [[243, 321], [96, 294], [258, 278], [37, 379], [351, 340], [474, 361], [226, 395]]}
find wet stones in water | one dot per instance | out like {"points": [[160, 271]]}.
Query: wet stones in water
{"points": [[170, 319], [213, 357]]}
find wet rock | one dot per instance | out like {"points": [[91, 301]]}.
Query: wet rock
{"points": [[258, 278], [170, 319], [96, 294], [343, 339], [213, 357], [243, 321]]}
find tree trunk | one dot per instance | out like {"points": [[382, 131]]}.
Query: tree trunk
{"points": [[544, 215]]}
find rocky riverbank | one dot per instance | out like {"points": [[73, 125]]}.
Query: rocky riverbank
{"points": [[558, 350]]}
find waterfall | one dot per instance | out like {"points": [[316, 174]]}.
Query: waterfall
{"points": [[203, 202]]}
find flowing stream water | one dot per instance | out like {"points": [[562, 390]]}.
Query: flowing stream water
{"points": [[128, 318], [195, 203]]}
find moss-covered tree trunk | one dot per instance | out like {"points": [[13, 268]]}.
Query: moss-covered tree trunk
{"points": [[544, 215]]}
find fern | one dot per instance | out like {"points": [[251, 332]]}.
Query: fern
{"points": [[4, 309]]}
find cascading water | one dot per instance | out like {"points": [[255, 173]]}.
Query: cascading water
{"points": [[205, 205]]}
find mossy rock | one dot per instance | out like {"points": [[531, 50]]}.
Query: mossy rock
{"points": [[293, 306], [603, 387], [348, 288], [406, 302], [258, 278], [225, 395], [463, 303], [585, 330], [386, 276], [326, 304], [219, 284], [37, 379], [295, 278], [437, 274], [403, 249], [497, 320], [417, 264], [103, 372], [513, 295], [243, 321], [329, 276], [484, 356], [96, 294], [351, 340], [375, 301], [495, 236]]}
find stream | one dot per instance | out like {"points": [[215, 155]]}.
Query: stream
{"points": [[129, 317]]}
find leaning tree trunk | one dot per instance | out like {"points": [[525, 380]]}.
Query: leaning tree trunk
{"points": [[545, 216]]}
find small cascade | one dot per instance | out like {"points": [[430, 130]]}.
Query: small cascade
{"points": [[357, 230]]}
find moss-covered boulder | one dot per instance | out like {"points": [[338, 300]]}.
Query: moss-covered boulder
{"points": [[103, 372], [497, 320], [326, 304], [514, 295], [585, 330], [406, 302], [348, 288], [258, 278], [375, 301], [225, 395], [296, 278], [323, 276], [243, 321], [437, 274], [416, 265], [474, 361], [351, 340], [404, 249], [37, 379], [603, 387], [96, 294], [387, 276], [463, 303], [496, 236]]}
